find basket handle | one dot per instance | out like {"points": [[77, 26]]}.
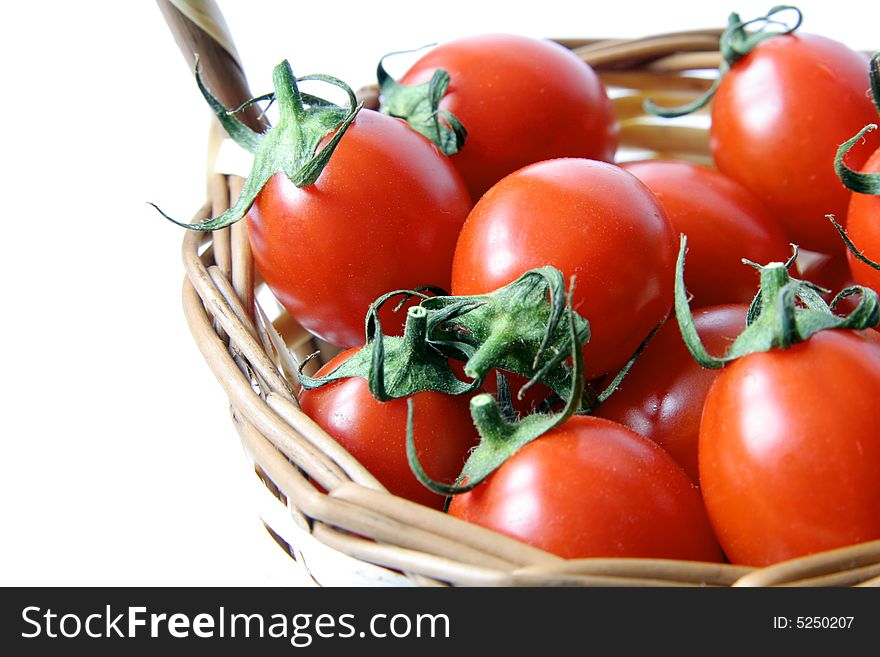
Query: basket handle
{"points": [[199, 29]]}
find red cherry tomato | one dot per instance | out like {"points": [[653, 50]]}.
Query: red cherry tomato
{"points": [[724, 223], [593, 488], [789, 450], [777, 119], [586, 218], [863, 228], [662, 396], [522, 100], [374, 432], [384, 215]]}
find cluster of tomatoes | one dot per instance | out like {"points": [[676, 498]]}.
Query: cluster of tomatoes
{"points": [[773, 456]]}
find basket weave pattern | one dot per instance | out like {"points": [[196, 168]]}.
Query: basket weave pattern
{"points": [[254, 358]]}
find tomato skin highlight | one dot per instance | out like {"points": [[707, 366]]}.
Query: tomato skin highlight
{"points": [[586, 218], [374, 432], [789, 451], [593, 488], [863, 228], [662, 396], [777, 119], [522, 100], [384, 215], [724, 223]]}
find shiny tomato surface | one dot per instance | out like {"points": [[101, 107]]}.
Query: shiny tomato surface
{"points": [[777, 120], [724, 223], [591, 220], [374, 432], [863, 228], [662, 396], [384, 215], [521, 100], [789, 451], [593, 488]]}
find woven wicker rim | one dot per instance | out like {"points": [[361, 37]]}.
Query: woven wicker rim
{"points": [[250, 354]]}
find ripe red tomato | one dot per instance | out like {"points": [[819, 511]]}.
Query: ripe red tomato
{"points": [[586, 218], [662, 396], [724, 223], [384, 215], [522, 100], [593, 488], [789, 450], [863, 228], [777, 119], [374, 432]]}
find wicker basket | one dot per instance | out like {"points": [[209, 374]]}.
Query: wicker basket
{"points": [[356, 533]]}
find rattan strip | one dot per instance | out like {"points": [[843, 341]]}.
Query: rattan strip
{"points": [[631, 106], [575, 580], [600, 44], [814, 565], [407, 560], [874, 581], [293, 489], [219, 193], [847, 577], [654, 82], [686, 61], [242, 337], [648, 49], [250, 405], [351, 517], [311, 431], [274, 344], [291, 331], [510, 550], [242, 260], [264, 369], [684, 572], [664, 138]]}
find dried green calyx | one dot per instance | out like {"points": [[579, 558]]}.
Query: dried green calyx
{"points": [[517, 328], [735, 43], [419, 106], [863, 183], [784, 312], [500, 436], [290, 147], [394, 366]]}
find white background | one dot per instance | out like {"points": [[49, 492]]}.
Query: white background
{"points": [[119, 463]]}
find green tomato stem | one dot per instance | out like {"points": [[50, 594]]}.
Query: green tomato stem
{"points": [[735, 43], [290, 147], [785, 311], [419, 106]]}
